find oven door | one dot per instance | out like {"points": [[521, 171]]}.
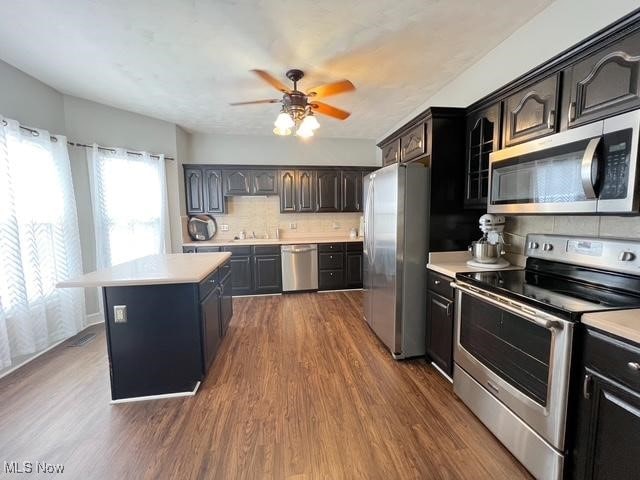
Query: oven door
{"points": [[520, 355], [555, 174]]}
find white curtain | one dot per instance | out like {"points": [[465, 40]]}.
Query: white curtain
{"points": [[39, 243], [130, 211]]}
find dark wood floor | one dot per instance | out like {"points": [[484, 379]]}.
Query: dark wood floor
{"points": [[301, 389]]}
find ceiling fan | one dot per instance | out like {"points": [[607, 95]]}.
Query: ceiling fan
{"points": [[299, 108]]}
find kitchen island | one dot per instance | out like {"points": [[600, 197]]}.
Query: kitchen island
{"points": [[165, 317]]}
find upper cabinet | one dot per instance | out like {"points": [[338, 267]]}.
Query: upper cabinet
{"points": [[391, 153], [306, 190], [605, 83], [288, 200], [328, 191], [413, 144], [213, 191], [236, 182], [483, 137], [351, 191], [532, 112], [203, 189], [194, 189], [242, 181], [264, 182]]}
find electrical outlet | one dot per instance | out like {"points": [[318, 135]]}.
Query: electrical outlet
{"points": [[336, 225], [293, 226], [119, 314], [224, 227]]}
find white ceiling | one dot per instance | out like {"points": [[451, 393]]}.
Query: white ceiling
{"points": [[183, 61]]}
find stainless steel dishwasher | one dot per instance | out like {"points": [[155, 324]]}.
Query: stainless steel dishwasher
{"points": [[299, 267]]}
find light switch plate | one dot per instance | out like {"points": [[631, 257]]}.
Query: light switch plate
{"points": [[224, 227], [293, 226], [119, 314]]}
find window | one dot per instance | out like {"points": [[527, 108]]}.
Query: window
{"points": [[129, 204]]}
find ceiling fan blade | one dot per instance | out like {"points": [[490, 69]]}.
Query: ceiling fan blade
{"points": [[329, 111], [329, 89], [271, 100], [271, 80]]}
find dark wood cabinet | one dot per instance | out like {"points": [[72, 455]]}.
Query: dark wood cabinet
{"points": [[236, 182], [391, 153], [328, 191], [605, 83], [194, 190], [413, 144], [532, 112], [211, 327], [306, 190], [241, 274], [226, 302], [351, 191], [483, 137], [264, 182], [214, 198], [607, 433], [353, 270], [288, 197], [440, 305], [267, 273]]}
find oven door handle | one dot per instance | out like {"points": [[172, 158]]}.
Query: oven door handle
{"points": [[534, 316]]}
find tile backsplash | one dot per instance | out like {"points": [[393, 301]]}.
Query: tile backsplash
{"points": [[262, 216], [588, 226]]}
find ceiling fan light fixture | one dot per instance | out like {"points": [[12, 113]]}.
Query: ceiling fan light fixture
{"points": [[284, 121], [310, 122], [282, 131], [304, 132]]}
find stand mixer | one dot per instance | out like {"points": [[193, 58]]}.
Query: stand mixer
{"points": [[488, 250]]}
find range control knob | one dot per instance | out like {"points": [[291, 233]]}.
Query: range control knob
{"points": [[547, 247], [626, 256], [533, 245]]}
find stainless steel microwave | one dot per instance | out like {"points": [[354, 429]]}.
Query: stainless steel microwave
{"points": [[589, 169]]}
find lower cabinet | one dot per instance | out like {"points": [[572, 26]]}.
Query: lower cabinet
{"points": [[440, 321], [607, 437], [340, 266], [226, 303], [242, 274], [354, 270], [267, 273], [211, 327]]}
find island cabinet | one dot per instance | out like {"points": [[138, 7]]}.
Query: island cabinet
{"points": [[607, 433], [440, 304]]}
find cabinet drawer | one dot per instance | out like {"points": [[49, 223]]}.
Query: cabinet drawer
{"points": [[207, 249], [612, 358], [330, 261], [440, 284], [354, 246], [266, 249], [413, 144], [331, 279], [188, 249], [239, 250], [331, 247], [207, 285]]}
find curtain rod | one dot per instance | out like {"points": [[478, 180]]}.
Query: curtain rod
{"points": [[36, 133]]}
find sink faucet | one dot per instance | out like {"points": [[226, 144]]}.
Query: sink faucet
{"points": [[253, 234]]}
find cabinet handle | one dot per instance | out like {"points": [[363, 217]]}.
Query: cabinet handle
{"points": [[437, 282], [449, 305], [586, 386], [571, 114], [551, 119], [635, 366]]}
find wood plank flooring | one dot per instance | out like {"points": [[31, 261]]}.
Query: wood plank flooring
{"points": [[300, 390]]}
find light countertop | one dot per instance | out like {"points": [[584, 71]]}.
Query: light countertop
{"points": [[153, 270], [623, 323], [272, 241], [450, 263]]}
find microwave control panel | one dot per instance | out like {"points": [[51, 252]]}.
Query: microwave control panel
{"points": [[616, 157]]}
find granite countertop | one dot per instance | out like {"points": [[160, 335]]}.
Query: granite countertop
{"points": [[623, 323], [272, 241], [450, 263], [153, 270]]}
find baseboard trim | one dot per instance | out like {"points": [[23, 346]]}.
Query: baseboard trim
{"points": [[157, 397], [442, 372]]}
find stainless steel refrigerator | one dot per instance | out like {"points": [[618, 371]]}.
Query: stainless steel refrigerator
{"points": [[395, 251]]}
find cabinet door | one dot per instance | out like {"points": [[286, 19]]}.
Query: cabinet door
{"points": [[354, 270], [440, 331], [351, 192], [267, 271], [213, 191], [328, 191], [608, 440], [606, 83], [226, 304], [391, 153], [531, 112], [483, 137], [306, 190], [241, 275], [194, 190], [288, 201], [413, 144], [264, 182], [211, 338], [236, 182]]}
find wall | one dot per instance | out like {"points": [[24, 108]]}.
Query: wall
{"points": [[274, 150]]}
